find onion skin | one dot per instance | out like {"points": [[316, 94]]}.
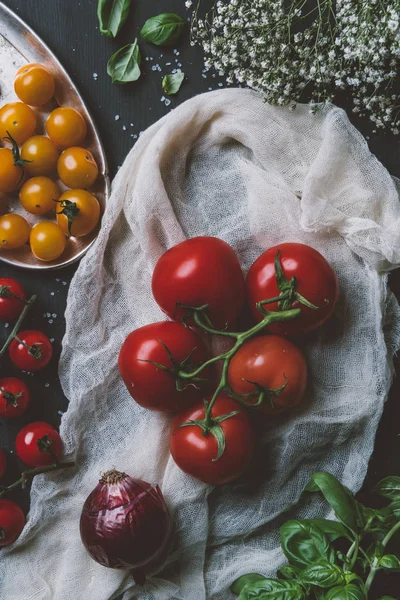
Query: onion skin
{"points": [[125, 524]]}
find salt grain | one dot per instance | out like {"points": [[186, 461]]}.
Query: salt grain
{"points": [[116, 117]]}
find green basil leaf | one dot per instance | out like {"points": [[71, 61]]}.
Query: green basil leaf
{"points": [[244, 580], [324, 575], [388, 488], [387, 598], [305, 544], [394, 507], [375, 550], [339, 498], [164, 29], [389, 562], [288, 572], [273, 589], [112, 14], [346, 592], [332, 529], [124, 65], [172, 83]]}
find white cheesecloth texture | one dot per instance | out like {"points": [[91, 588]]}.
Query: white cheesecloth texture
{"points": [[224, 164]]}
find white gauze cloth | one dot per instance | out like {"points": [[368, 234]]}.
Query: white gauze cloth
{"points": [[224, 164]]}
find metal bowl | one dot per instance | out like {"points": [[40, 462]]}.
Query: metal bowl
{"points": [[20, 45]]}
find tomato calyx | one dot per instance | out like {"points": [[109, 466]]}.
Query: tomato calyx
{"points": [[6, 293], [10, 398], [34, 350], [264, 394], [18, 161], [287, 288], [70, 210]]}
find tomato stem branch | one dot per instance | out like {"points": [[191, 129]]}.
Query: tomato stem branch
{"points": [[30, 473], [17, 325]]}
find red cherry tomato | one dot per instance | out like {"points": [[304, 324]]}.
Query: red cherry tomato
{"points": [[199, 271], [32, 351], [14, 397], [38, 444], [314, 279], [12, 522], [151, 386], [195, 453], [271, 362], [3, 463], [10, 306]]}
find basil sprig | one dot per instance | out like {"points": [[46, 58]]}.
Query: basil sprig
{"points": [[124, 65], [112, 14], [164, 29], [320, 568]]}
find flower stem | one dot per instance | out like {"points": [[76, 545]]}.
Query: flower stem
{"points": [[374, 566], [22, 481], [17, 325]]}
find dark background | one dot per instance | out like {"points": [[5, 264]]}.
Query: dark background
{"points": [[70, 28]]}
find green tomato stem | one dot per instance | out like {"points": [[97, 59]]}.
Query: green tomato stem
{"points": [[17, 325], [374, 566], [22, 481]]}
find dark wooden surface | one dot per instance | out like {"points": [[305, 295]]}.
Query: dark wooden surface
{"points": [[70, 28]]}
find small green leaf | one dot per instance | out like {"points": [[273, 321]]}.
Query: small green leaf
{"points": [[395, 508], [244, 580], [346, 592], [375, 550], [390, 562], [273, 589], [339, 497], [112, 14], [388, 488], [332, 529], [172, 83], [164, 29], [217, 431], [288, 572], [305, 544], [323, 574], [124, 65]]}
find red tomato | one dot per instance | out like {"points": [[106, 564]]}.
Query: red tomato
{"points": [[151, 386], [194, 451], [271, 362], [14, 397], [12, 522], [10, 306], [38, 444], [3, 463], [199, 271], [32, 351], [314, 279]]}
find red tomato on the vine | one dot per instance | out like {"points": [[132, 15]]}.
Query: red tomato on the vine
{"points": [[269, 362], [12, 296], [12, 522], [152, 386], [38, 444], [3, 463], [199, 271], [195, 451], [305, 276], [14, 397], [32, 351]]}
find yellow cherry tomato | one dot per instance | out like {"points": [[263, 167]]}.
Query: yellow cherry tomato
{"points": [[47, 241], [14, 231], [18, 120], [41, 154], [34, 84], [11, 174], [66, 127], [77, 168], [39, 195], [78, 212]]}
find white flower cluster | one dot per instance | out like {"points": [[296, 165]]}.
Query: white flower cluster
{"points": [[290, 54]]}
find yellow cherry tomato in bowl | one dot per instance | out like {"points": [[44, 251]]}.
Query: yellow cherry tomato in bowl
{"points": [[11, 173], [78, 213], [34, 84], [14, 231], [18, 120], [41, 155], [77, 168], [47, 240], [39, 195], [66, 127]]}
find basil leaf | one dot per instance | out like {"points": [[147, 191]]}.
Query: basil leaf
{"points": [[324, 575], [389, 562], [244, 580], [112, 14], [388, 488], [164, 29], [346, 592], [172, 83], [124, 65], [305, 544], [375, 550], [288, 572], [273, 589], [387, 598], [394, 507], [339, 497], [332, 529]]}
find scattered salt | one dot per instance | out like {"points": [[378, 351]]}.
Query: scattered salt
{"points": [[116, 117], [123, 127]]}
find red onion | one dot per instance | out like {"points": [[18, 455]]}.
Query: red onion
{"points": [[125, 524]]}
